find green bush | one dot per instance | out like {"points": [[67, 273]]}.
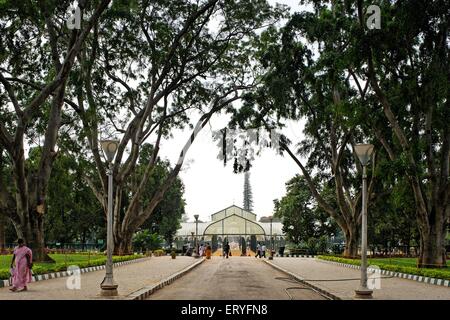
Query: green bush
{"points": [[159, 252], [431, 273], [145, 240], [4, 274]]}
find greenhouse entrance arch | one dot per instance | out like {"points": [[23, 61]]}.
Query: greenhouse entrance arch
{"points": [[234, 225], [237, 230]]}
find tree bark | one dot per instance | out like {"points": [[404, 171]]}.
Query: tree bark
{"points": [[432, 241], [351, 234], [33, 235], [30, 188], [2, 233], [123, 245]]}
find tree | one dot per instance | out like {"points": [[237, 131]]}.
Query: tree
{"points": [[73, 213], [178, 65], [169, 212], [145, 240], [411, 82], [248, 195], [317, 88], [33, 37], [398, 95], [2, 233], [302, 218], [392, 213]]}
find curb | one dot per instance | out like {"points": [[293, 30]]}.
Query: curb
{"points": [[145, 292], [413, 277], [300, 279], [62, 274]]}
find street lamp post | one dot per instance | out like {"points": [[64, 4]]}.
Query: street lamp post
{"points": [[271, 239], [364, 153], [108, 286], [196, 235]]}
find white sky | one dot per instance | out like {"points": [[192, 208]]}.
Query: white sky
{"points": [[210, 187]]}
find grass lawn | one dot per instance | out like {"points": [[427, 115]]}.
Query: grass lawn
{"points": [[402, 265], [407, 262], [5, 260], [62, 261]]}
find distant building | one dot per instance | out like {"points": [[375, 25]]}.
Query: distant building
{"points": [[233, 224]]}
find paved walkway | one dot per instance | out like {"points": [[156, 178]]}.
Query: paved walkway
{"points": [[129, 277], [236, 278], [235, 253], [391, 288]]}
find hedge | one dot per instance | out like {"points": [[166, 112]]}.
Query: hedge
{"points": [[56, 267], [431, 273]]}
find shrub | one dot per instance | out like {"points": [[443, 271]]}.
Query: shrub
{"points": [[145, 240], [159, 252], [4, 274]]}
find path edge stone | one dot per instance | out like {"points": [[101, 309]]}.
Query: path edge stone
{"points": [[407, 276], [300, 279], [62, 274], [145, 292]]}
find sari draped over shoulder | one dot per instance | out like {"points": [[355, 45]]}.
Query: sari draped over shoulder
{"points": [[22, 273]]}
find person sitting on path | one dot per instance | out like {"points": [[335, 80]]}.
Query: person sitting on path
{"points": [[22, 259]]}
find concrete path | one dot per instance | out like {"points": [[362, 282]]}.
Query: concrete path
{"points": [[129, 278], [236, 278], [234, 253], [346, 280]]}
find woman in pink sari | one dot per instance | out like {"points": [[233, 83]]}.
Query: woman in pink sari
{"points": [[23, 258]]}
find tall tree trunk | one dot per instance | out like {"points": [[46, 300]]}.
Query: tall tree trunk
{"points": [[432, 241], [123, 244], [34, 237], [351, 234], [2, 233]]}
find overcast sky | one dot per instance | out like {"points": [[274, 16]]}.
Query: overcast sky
{"points": [[210, 187]]}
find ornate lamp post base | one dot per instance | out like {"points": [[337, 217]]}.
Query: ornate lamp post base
{"points": [[109, 288], [363, 293]]}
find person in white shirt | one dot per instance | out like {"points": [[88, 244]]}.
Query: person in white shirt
{"points": [[258, 250], [263, 249]]}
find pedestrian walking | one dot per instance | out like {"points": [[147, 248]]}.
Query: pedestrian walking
{"points": [[258, 250], [263, 249], [208, 251], [21, 265], [226, 250]]}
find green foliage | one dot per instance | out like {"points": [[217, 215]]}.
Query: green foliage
{"points": [[73, 212], [302, 220], [145, 240], [432, 273], [159, 253], [167, 215]]}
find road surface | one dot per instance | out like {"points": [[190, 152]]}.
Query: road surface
{"points": [[236, 278]]}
